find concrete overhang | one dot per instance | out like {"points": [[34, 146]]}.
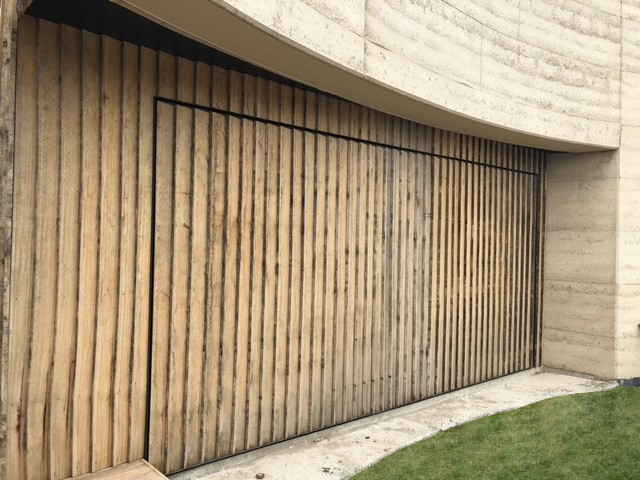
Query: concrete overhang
{"points": [[229, 30]]}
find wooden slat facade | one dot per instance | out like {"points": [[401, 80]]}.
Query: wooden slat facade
{"points": [[296, 279], [267, 215]]}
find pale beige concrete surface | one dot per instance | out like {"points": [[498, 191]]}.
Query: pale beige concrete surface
{"points": [[581, 264], [550, 78], [577, 351], [581, 255], [584, 307], [340, 452], [575, 196], [628, 241]]}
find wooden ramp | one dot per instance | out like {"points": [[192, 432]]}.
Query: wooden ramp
{"points": [[138, 470]]}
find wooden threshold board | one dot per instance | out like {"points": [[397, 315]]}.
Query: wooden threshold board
{"points": [[138, 470]]}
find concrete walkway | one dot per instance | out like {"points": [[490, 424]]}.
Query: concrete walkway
{"points": [[340, 452]]}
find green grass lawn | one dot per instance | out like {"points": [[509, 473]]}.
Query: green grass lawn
{"points": [[584, 436]]}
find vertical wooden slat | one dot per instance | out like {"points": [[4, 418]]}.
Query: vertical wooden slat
{"points": [[540, 234], [370, 372], [527, 292], [179, 315], [391, 279], [462, 335], [88, 244], [327, 152], [46, 251], [440, 264], [198, 224], [23, 247], [359, 383], [257, 280], [507, 267], [435, 276], [68, 257], [108, 274], [420, 317], [386, 274], [244, 269], [515, 269], [492, 284], [214, 360], [144, 213], [298, 322], [501, 266], [126, 285], [294, 334], [279, 238], [349, 245], [163, 239], [318, 332], [391, 269], [485, 176], [519, 262], [483, 255], [341, 261], [9, 33], [378, 376], [476, 268], [215, 212], [303, 182], [400, 319], [270, 275], [229, 154], [129, 342], [451, 256], [426, 249], [283, 266], [411, 267], [470, 275]]}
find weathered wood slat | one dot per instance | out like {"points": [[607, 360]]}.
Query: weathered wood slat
{"points": [[163, 241], [68, 258], [311, 394], [257, 280], [327, 153], [198, 225], [24, 228], [45, 284], [245, 219], [127, 253], [139, 343]]}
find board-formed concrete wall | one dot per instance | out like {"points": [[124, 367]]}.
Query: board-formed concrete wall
{"points": [[592, 267], [541, 73], [628, 228]]}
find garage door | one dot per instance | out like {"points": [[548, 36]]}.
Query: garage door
{"points": [[307, 272]]}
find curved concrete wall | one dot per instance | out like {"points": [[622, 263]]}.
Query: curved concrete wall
{"points": [[538, 72], [592, 265]]}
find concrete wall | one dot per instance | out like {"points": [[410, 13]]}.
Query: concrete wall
{"points": [[579, 308], [539, 73], [628, 239], [592, 265]]}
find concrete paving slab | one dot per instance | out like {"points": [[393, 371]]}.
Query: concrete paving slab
{"points": [[340, 452]]}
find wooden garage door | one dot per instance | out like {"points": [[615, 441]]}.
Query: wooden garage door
{"points": [[279, 258], [295, 283]]}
